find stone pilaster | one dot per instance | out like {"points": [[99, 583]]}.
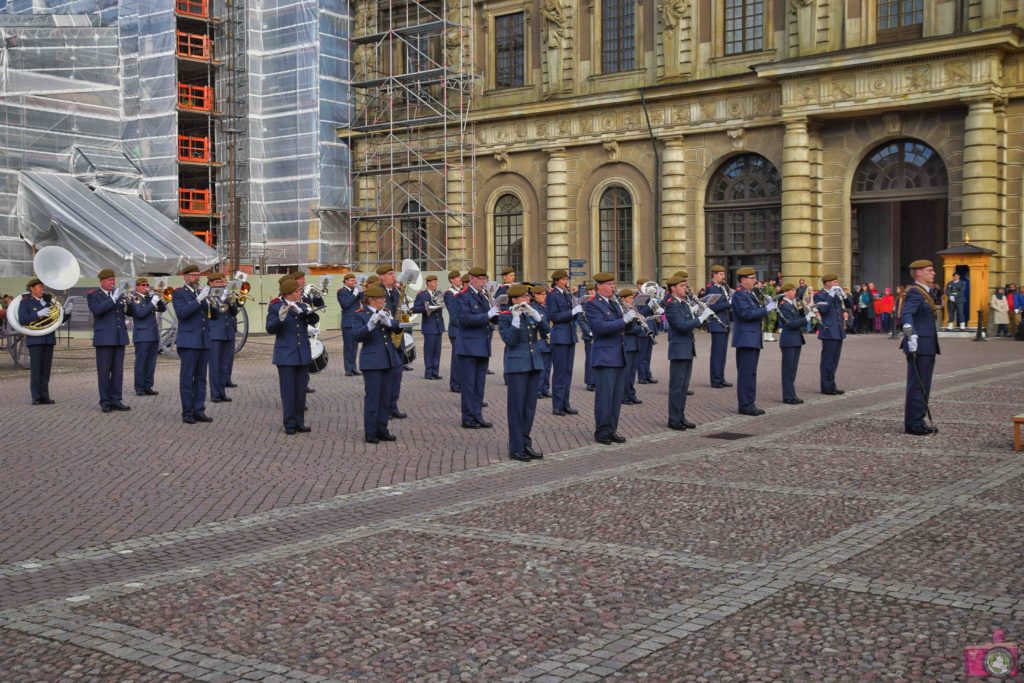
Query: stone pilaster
{"points": [[981, 188], [558, 212], [797, 216], [673, 210]]}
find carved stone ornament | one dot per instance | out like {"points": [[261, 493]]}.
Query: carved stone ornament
{"points": [[610, 146], [736, 135], [501, 156], [797, 4], [892, 123]]}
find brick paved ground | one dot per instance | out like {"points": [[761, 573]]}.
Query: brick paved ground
{"points": [[823, 544]]}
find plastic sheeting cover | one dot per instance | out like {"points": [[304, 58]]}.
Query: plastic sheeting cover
{"points": [[104, 230]]}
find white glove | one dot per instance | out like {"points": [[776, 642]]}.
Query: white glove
{"points": [[224, 296], [493, 312], [356, 292], [810, 317], [282, 312], [630, 316], [374, 319], [203, 294], [68, 305], [516, 321], [384, 315], [577, 309], [771, 306], [705, 314], [912, 343], [117, 294], [295, 307], [836, 291], [535, 314], [155, 299], [952, 297], [695, 310], [43, 312]]}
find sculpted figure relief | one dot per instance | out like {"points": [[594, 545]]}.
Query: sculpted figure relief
{"points": [[672, 14], [556, 21]]}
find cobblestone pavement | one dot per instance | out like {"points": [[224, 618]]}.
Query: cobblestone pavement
{"points": [[817, 543]]}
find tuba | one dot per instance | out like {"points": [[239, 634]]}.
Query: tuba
{"points": [[57, 268], [656, 294], [409, 278]]}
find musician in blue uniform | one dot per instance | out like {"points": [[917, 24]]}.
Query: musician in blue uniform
{"points": [[608, 357], [508, 278], [792, 322], [450, 304], [521, 327], [349, 299], [632, 346], [288, 319], [587, 335], [379, 361], [40, 347], [564, 314], [222, 337], [719, 331], [474, 347], [830, 304], [920, 344], [432, 327], [681, 350], [747, 314], [393, 295], [193, 310], [647, 341], [108, 306], [314, 300], [539, 296], [146, 335]]}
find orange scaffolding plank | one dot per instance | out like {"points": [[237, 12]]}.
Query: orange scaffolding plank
{"points": [[194, 46], [195, 97], [195, 150], [193, 202]]}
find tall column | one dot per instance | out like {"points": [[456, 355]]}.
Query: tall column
{"points": [[558, 212], [981, 175], [673, 210], [797, 223], [460, 251]]}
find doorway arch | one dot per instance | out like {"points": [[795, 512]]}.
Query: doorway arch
{"points": [[899, 206]]}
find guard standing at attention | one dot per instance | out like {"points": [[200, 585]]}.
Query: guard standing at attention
{"points": [[920, 343], [379, 361], [288, 319], [451, 304], [564, 315], [790, 342], [109, 336], [830, 305], [40, 348], [474, 348], [432, 327], [222, 339], [608, 357], [719, 331], [193, 310], [521, 327], [747, 339], [146, 335], [539, 294], [681, 351], [349, 298]]}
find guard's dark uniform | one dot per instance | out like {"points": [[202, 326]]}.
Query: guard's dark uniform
{"points": [[146, 339], [380, 364], [588, 339], [790, 342], [223, 328], [647, 343], [109, 337], [608, 358], [452, 304], [193, 343], [633, 344], [393, 300], [544, 346], [349, 302], [719, 334], [40, 348], [432, 327], [746, 339], [832, 333], [292, 356], [523, 367], [681, 352], [474, 348], [918, 312], [955, 291], [563, 346]]}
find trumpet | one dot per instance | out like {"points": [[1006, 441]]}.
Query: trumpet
{"points": [[321, 290], [163, 290], [128, 295]]}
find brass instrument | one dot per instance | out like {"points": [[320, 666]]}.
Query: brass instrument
{"points": [[163, 290], [656, 294], [402, 340], [437, 300], [56, 268], [128, 294], [698, 307], [322, 290]]}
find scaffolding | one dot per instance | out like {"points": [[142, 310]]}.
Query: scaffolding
{"points": [[413, 142]]}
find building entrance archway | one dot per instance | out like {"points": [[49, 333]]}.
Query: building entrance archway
{"points": [[899, 211]]}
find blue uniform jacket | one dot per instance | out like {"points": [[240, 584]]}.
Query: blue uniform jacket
{"points": [[225, 325], [349, 303], [917, 311], [521, 351], [376, 351], [585, 332], [193, 319], [451, 302], [746, 317], [108, 325], [631, 336], [792, 322], [722, 308], [831, 310], [431, 323], [681, 325], [543, 339], [563, 322], [608, 327], [291, 335], [28, 310], [647, 312], [474, 331], [146, 327]]}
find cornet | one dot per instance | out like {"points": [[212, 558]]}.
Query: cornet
{"points": [[128, 294], [163, 290], [321, 290]]}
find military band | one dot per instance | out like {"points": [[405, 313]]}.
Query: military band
{"points": [[719, 328], [564, 314], [349, 300], [521, 327], [647, 341], [681, 350], [830, 304], [223, 328], [539, 297], [379, 361], [450, 304], [394, 300], [430, 307], [146, 335], [193, 310], [791, 341], [40, 347], [608, 357], [109, 308], [747, 314], [632, 347], [474, 347], [288, 319]]}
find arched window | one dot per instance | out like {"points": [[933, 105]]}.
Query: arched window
{"points": [[508, 233], [900, 167], [615, 216], [743, 215], [414, 233]]}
